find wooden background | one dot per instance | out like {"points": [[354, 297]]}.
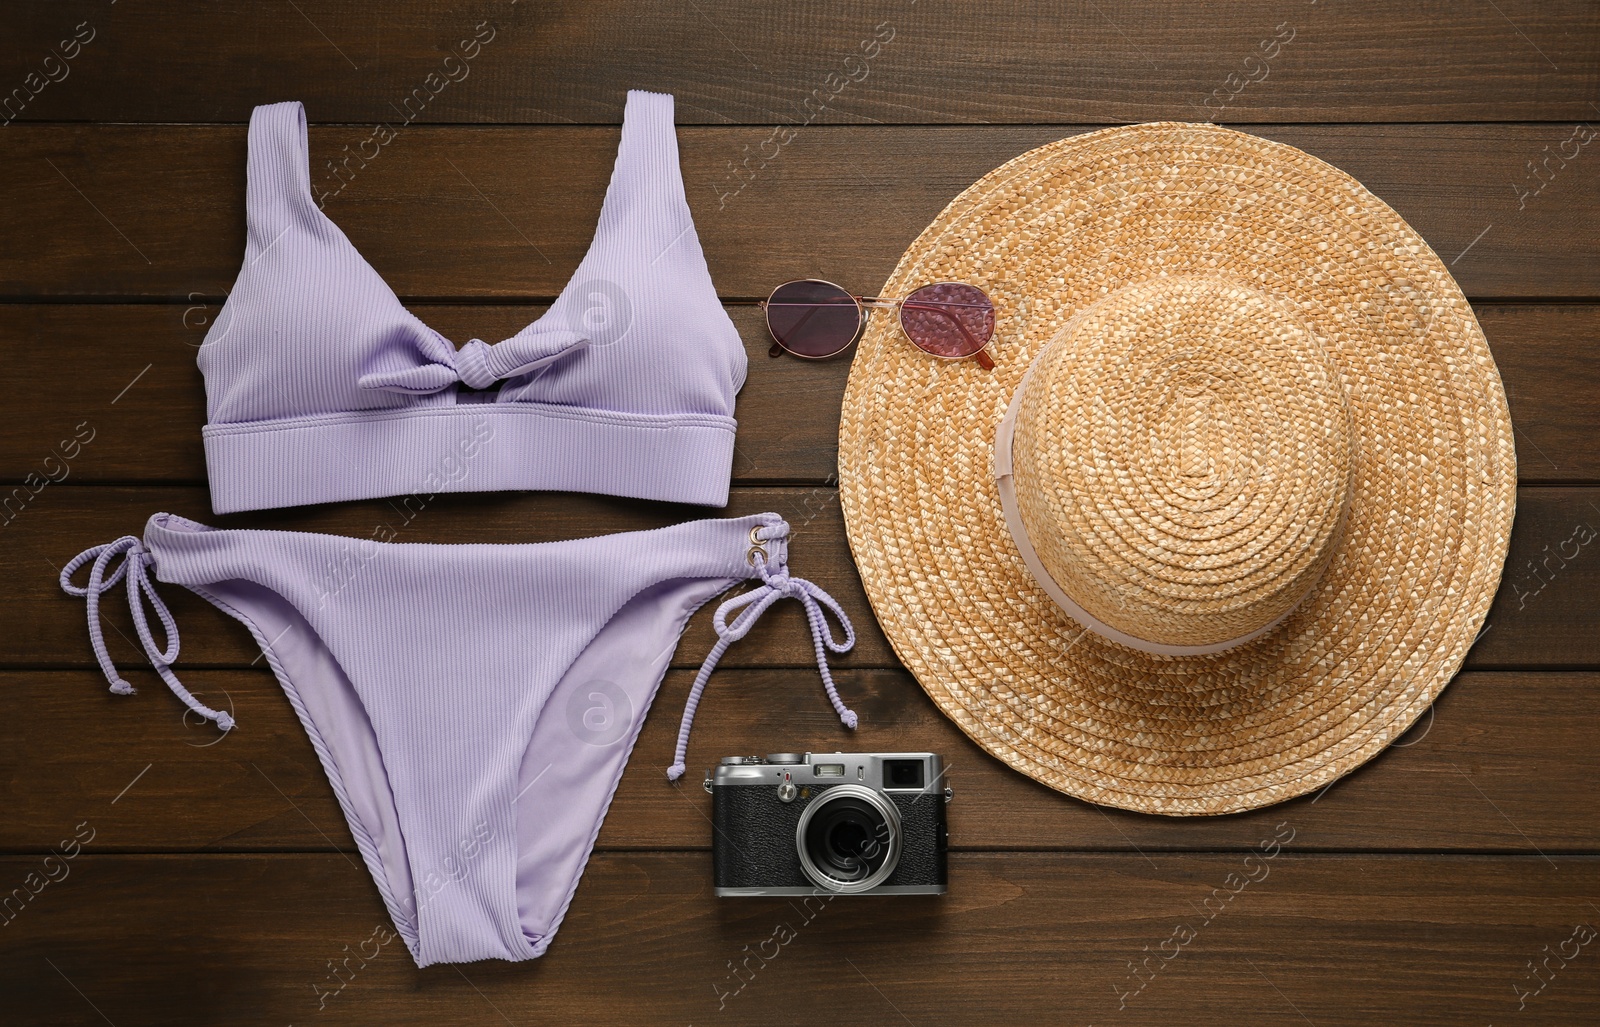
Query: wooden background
{"points": [[1450, 881]]}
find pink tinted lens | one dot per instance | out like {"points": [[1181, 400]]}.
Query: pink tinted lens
{"points": [[948, 319], [812, 319]]}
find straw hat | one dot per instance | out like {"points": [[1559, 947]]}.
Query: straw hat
{"points": [[1229, 511]]}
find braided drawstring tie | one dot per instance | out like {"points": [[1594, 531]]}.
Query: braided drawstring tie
{"points": [[776, 584], [135, 560]]}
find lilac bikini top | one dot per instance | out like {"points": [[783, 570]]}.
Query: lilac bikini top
{"points": [[321, 386]]}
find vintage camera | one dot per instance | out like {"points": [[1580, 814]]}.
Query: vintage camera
{"points": [[843, 822]]}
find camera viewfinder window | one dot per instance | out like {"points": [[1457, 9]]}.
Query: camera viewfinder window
{"points": [[902, 773]]}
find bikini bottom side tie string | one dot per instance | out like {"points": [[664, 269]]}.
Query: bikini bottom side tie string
{"points": [[133, 566], [776, 584]]}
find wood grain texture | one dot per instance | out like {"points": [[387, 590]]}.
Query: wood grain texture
{"points": [[221, 885], [1505, 763], [746, 64], [1043, 938], [1543, 616], [507, 213], [788, 411]]}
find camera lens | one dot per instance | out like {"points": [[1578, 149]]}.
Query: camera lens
{"points": [[845, 839], [849, 839]]}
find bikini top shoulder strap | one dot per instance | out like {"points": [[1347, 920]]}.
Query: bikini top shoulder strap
{"points": [[278, 179], [646, 193]]}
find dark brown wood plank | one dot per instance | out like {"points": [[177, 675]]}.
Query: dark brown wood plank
{"points": [[788, 411], [494, 212], [1543, 616], [1544, 613], [1472, 776], [1546, 358], [1045, 938], [749, 64]]}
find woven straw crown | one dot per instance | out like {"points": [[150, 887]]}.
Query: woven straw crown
{"points": [[1240, 416], [1183, 460]]}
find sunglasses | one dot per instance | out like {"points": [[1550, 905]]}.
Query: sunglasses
{"points": [[815, 320]]}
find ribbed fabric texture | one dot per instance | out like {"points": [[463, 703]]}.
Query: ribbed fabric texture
{"points": [[424, 676], [321, 386]]}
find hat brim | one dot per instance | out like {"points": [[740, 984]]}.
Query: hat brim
{"points": [[1426, 535]]}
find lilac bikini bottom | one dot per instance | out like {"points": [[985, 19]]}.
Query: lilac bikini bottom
{"points": [[473, 705]]}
